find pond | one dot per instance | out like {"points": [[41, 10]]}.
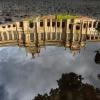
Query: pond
{"points": [[22, 77]]}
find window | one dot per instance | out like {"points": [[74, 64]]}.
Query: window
{"points": [[5, 35], [90, 24], [41, 23], [63, 24], [3, 26], [14, 25], [94, 24], [10, 35], [48, 22], [77, 27], [84, 25], [21, 24], [48, 36], [53, 36], [92, 37], [53, 23], [58, 24], [9, 26], [31, 25], [70, 26], [88, 37]]}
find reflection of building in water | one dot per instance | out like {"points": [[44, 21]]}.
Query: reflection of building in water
{"points": [[38, 32]]}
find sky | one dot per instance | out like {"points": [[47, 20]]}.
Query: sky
{"points": [[22, 78]]}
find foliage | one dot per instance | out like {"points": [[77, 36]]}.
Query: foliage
{"points": [[71, 87], [59, 17]]}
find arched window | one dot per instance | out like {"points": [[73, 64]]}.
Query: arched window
{"points": [[21, 24], [9, 26], [70, 26], [3, 27], [14, 25], [90, 24], [48, 22], [63, 24], [5, 35], [53, 36], [84, 25], [58, 24], [53, 23], [41, 23], [94, 24], [10, 35], [31, 25], [77, 27]]}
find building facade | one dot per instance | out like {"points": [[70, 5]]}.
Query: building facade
{"points": [[40, 31]]}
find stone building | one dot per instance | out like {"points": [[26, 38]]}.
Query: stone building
{"points": [[39, 31]]}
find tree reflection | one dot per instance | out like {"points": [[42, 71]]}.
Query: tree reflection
{"points": [[97, 57], [71, 87]]}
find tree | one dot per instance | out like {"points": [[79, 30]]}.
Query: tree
{"points": [[97, 57], [70, 81], [71, 87]]}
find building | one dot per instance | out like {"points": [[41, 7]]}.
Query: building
{"points": [[39, 31]]}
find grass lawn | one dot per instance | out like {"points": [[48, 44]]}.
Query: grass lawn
{"points": [[59, 17]]}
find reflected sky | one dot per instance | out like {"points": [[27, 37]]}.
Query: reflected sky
{"points": [[21, 77]]}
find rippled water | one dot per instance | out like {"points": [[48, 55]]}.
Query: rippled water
{"points": [[22, 77]]}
